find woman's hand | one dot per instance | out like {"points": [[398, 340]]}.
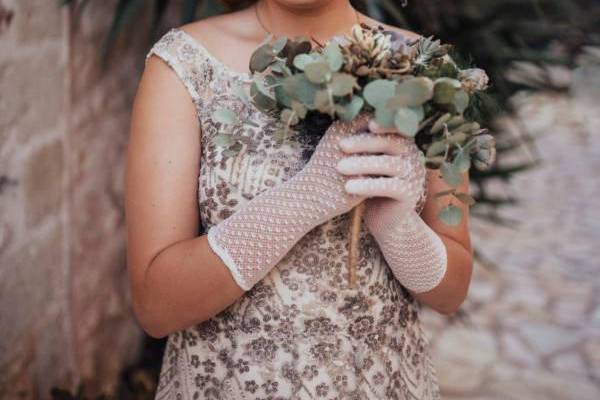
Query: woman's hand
{"points": [[415, 253], [326, 157], [397, 162], [261, 232]]}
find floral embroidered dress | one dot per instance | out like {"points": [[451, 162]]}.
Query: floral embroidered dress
{"points": [[301, 332]]}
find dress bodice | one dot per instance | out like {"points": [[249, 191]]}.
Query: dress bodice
{"points": [[301, 332]]}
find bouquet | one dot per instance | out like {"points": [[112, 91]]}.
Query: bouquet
{"points": [[412, 87]]}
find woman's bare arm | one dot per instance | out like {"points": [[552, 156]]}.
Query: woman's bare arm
{"points": [[447, 297], [176, 280]]}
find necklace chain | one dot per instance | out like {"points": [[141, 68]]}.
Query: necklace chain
{"points": [[259, 19]]}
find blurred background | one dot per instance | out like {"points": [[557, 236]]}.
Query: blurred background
{"points": [[530, 328]]}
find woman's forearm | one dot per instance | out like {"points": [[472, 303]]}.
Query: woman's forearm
{"points": [[449, 294], [185, 284], [188, 283]]}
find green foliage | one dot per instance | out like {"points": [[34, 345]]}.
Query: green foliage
{"points": [[451, 215], [306, 84]]}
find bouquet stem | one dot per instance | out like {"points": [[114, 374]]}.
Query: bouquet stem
{"points": [[355, 221]]}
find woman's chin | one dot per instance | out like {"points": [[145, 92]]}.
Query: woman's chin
{"points": [[302, 4]]}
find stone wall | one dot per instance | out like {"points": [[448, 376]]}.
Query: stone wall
{"points": [[64, 313], [36, 346], [533, 327]]}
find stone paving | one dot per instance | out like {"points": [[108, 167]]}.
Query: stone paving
{"points": [[533, 314]]}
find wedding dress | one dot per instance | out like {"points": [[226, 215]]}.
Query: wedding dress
{"points": [[301, 332]]}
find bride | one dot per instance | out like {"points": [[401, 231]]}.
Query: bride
{"points": [[239, 258]]}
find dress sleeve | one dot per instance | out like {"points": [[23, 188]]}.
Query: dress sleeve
{"points": [[178, 52]]}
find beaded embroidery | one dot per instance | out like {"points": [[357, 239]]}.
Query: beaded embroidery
{"points": [[299, 333]]}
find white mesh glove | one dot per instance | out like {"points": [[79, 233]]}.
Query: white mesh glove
{"points": [[256, 237], [415, 253]]}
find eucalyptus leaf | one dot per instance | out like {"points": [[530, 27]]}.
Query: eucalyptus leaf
{"points": [[412, 92], [436, 148], [324, 102], [406, 121], [455, 83], [437, 126], [281, 68], [379, 91], [451, 174], [260, 100], [261, 58], [293, 48], [444, 92], [333, 55], [457, 137], [301, 60], [385, 117], [461, 101], [449, 69], [462, 161], [450, 215], [420, 111], [279, 44], [300, 88], [261, 85], [280, 94], [352, 109], [318, 72], [467, 127], [342, 84], [339, 109], [435, 161], [455, 121]]}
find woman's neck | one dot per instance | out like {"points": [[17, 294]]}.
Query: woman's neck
{"points": [[320, 21]]}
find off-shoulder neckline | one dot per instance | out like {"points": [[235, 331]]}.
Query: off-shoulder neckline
{"points": [[226, 68]]}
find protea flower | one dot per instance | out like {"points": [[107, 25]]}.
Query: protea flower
{"points": [[369, 51], [428, 50]]}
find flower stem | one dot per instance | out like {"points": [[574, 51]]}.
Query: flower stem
{"points": [[355, 222]]}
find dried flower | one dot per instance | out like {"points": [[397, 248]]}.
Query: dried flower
{"points": [[484, 153], [473, 79]]}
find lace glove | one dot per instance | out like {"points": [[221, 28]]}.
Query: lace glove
{"points": [[415, 253], [256, 237]]}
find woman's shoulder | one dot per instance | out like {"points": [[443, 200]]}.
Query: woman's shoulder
{"points": [[187, 49]]}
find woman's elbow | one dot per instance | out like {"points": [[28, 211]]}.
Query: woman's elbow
{"points": [[449, 301], [149, 320], [153, 329], [448, 308]]}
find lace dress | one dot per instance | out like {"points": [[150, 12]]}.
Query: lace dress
{"points": [[301, 332]]}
